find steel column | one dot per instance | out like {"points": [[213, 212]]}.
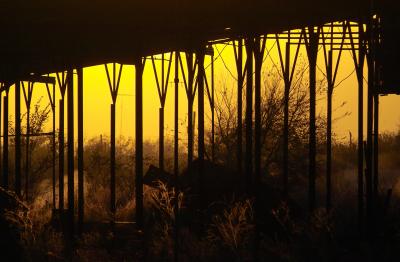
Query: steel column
{"points": [[359, 66], [81, 194], [212, 110], [376, 149], [240, 81], [258, 58], [62, 82], [1, 137], [114, 87], [112, 163], [369, 160], [53, 108], [61, 155], [28, 100], [5, 141], [70, 149], [18, 138], [200, 104], [312, 52], [176, 157], [139, 64], [249, 114], [287, 77]]}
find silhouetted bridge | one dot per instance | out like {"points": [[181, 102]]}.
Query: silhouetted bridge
{"points": [[42, 37]]}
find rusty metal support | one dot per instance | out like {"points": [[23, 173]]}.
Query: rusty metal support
{"points": [[112, 163], [288, 74], [53, 140], [28, 99], [312, 52], [70, 149], [114, 87], [5, 141], [240, 80], [359, 66], [331, 73], [61, 155], [376, 149], [81, 192], [1, 145], [212, 109], [62, 83], [258, 50], [162, 88], [176, 157], [249, 42], [17, 159], [190, 93], [201, 148], [139, 64]]}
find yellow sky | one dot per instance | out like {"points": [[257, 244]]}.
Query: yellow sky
{"points": [[97, 98]]}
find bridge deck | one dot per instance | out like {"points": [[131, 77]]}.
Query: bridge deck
{"points": [[46, 35]]}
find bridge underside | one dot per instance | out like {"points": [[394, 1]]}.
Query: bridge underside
{"points": [[48, 36]]}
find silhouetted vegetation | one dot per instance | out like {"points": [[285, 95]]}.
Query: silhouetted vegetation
{"points": [[222, 227]]}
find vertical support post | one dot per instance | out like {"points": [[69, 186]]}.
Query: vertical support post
{"points": [[61, 156], [81, 195], [139, 142], [312, 51], [176, 119], [189, 59], [369, 160], [5, 142], [114, 86], [286, 123], [161, 138], [212, 110], [70, 148], [359, 65], [258, 58], [53, 147], [28, 99], [176, 159], [249, 114], [112, 163], [18, 138], [1, 168], [200, 104], [360, 149], [27, 146], [376, 148], [329, 133], [240, 74], [287, 73]]}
